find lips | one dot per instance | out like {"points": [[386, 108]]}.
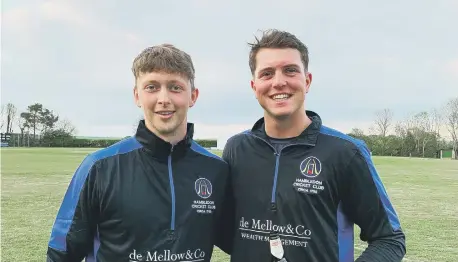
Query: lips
{"points": [[165, 113], [280, 96]]}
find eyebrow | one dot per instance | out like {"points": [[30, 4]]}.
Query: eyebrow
{"points": [[177, 82], [270, 68]]}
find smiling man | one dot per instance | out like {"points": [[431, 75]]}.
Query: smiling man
{"points": [[154, 196], [299, 186]]}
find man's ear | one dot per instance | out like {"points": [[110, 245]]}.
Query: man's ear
{"points": [[194, 96], [308, 82], [253, 87], [136, 99]]}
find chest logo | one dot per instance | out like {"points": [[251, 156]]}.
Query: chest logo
{"points": [[203, 188], [310, 167]]}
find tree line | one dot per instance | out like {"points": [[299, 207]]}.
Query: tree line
{"points": [[39, 126], [420, 135], [36, 126]]}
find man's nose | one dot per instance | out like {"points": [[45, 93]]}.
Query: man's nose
{"points": [[279, 80], [163, 96]]}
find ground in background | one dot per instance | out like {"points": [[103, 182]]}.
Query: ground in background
{"points": [[424, 192]]}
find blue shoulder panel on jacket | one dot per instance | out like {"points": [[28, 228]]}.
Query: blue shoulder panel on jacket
{"points": [[64, 217], [392, 216], [232, 138], [199, 149]]}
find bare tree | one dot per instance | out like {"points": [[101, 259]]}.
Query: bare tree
{"points": [[383, 121], [451, 120], [411, 125], [438, 120], [405, 128], [10, 117], [2, 120], [402, 128], [426, 128], [23, 126], [66, 126]]}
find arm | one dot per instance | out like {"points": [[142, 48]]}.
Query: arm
{"points": [[365, 201], [226, 223], [72, 235]]}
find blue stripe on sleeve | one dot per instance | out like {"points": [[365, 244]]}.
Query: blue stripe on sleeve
{"points": [[199, 149], [392, 216], [64, 219], [346, 239]]}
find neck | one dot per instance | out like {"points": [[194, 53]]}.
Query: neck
{"points": [[172, 137], [291, 126]]}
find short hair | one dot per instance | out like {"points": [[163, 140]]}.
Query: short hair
{"points": [[274, 38], [164, 58]]}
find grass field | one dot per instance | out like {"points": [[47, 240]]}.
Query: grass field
{"points": [[423, 191]]}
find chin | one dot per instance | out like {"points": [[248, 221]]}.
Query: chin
{"points": [[280, 113], [279, 116], [166, 130]]}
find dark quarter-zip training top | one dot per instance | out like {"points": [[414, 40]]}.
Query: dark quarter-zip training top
{"points": [[309, 191], [141, 199]]}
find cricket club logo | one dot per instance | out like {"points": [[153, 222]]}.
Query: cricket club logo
{"points": [[203, 188], [310, 167]]}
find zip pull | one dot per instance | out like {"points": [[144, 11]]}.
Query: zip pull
{"points": [[171, 236], [273, 207]]}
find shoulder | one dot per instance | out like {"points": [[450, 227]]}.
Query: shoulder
{"points": [[206, 153], [340, 141], [122, 147], [236, 139]]}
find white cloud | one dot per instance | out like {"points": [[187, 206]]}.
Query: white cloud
{"points": [[26, 19], [16, 19], [75, 56], [63, 11]]}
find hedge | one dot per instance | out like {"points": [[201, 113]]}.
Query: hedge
{"points": [[100, 143]]}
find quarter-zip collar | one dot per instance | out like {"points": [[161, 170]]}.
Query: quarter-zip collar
{"points": [[308, 136], [160, 148]]}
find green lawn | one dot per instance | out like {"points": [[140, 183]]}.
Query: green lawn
{"points": [[34, 181]]}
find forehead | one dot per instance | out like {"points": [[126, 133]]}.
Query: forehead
{"points": [[273, 57], [162, 77]]}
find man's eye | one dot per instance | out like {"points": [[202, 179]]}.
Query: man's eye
{"points": [[291, 70], [150, 87], [176, 88]]}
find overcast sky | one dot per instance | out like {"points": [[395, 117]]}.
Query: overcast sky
{"points": [[75, 57]]}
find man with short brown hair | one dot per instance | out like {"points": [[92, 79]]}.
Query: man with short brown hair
{"points": [[155, 196], [299, 186]]}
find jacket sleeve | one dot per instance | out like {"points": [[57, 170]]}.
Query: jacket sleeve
{"points": [[226, 223], [72, 235], [365, 201]]}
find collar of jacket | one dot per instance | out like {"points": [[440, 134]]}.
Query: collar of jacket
{"points": [[159, 148], [308, 136]]}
